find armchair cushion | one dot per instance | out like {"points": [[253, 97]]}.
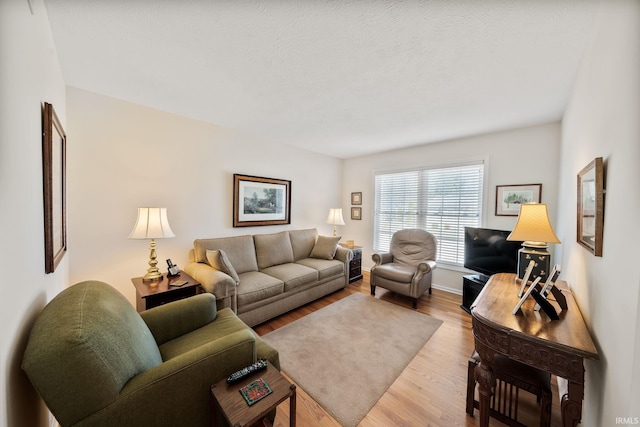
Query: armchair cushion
{"points": [[411, 246], [396, 272]]}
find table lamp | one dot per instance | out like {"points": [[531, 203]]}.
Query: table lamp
{"points": [[335, 218], [152, 223], [534, 228]]}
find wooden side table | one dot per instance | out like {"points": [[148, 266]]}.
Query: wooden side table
{"points": [[355, 266], [228, 399], [153, 294]]}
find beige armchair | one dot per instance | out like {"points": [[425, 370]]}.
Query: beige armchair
{"points": [[406, 268]]}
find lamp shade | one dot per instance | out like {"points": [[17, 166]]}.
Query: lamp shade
{"points": [[152, 223], [335, 217], [533, 226]]}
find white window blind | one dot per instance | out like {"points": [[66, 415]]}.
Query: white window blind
{"points": [[441, 200]]}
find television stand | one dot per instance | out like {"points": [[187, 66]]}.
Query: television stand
{"points": [[472, 284]]}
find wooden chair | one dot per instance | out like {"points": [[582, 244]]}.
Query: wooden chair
{"points": [[511, 377]]}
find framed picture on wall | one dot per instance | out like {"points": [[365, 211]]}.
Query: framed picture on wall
{"points": [[510, 197], [54, 174], [260, 201], [356, 214], [356, 198], [591, 206]]}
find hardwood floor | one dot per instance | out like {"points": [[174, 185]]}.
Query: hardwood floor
{"points": [[431, 391]]}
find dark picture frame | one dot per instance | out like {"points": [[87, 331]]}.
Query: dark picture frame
{"points": [[590, 210], [54, 168], [510, 197], [356, 198], [260, 201], [356, 214]]}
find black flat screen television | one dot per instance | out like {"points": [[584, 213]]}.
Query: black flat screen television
{"points": [[489, 252]]}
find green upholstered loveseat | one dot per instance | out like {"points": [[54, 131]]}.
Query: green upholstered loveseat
{"points": [[97, 362]]}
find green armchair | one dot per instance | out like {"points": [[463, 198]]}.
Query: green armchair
{"points": [[97, 362]]}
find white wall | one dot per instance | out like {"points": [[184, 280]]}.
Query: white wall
{"points": [[521, 156], [122, 156], [602, 120], [33, 77]]}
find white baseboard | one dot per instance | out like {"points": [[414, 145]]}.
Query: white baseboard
{"points": [[447, 289], [454, 291]]}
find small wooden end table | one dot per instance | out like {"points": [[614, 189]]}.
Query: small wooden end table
{"points": [[355, 265], [153, 294], [228, 399]]}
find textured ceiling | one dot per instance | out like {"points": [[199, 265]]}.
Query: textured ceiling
{"points": [[345, 78]]}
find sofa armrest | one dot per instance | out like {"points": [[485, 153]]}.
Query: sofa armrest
{"points": [[177, 318], [382, 258], [213, 281], [343, 254]]}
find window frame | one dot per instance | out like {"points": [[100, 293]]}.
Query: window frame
{"points": [[421, 169]]}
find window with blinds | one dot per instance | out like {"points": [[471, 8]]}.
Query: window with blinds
{"points": [[441, 200]]}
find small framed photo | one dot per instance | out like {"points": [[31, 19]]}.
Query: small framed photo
{"points": [[526, 295], [510, 197], [356, 213], [356, 198]]}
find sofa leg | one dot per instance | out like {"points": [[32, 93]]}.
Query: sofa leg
{"points": [[429, 290], [373, 290], [415, 303]]}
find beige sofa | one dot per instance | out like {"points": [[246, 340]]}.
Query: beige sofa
{"points": [[264, 275]]}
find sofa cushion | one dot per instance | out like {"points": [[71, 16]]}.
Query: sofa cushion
{"points": [[302, 242], [219, 260], [293, 275], [240, 250], [325, 247], [256, 286], [326, 268], [273, 249]]}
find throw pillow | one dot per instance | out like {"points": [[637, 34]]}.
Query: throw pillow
{"points": [[218, 260], [325, 247]]}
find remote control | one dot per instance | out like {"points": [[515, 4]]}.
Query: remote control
{"points": [[245, 372]]}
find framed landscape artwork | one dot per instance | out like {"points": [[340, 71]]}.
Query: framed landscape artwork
{"points": [[591, 206], [260, 201], [510, 197], [54, 148]]}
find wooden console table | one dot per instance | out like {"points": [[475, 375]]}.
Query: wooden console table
{"points": [[558, 347]]}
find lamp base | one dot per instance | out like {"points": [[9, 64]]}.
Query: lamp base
{"points": [[154, 276], [540, 256], [153, 272]]}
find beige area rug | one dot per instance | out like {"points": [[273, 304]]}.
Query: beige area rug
{"points": [[346, 355]]}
